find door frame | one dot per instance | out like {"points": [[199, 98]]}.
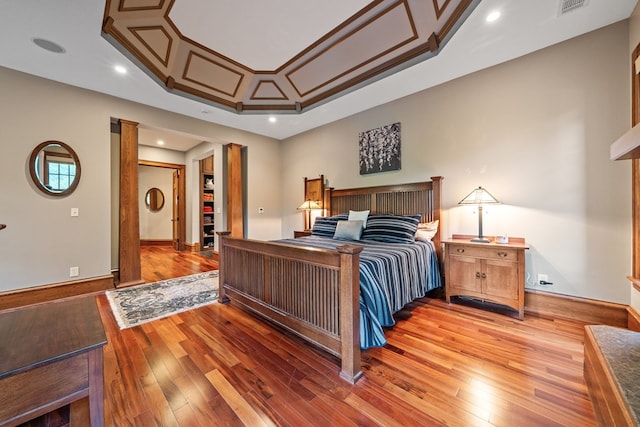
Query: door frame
{"points": [[181, 198]]}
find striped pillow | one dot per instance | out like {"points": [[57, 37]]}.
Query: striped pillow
{"points": [[391, 228], [325, 226]]}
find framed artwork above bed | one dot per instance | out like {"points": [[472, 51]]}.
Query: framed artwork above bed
{"points": [[379, 149]]}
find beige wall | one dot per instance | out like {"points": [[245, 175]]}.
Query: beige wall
{"points": [[535, 132], [42, 240], [155, 225]]}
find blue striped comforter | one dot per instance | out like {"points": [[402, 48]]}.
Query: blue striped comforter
{"points": [[391, 275]]}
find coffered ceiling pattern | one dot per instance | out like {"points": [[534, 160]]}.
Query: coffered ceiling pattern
{"points": [[383, 37]]}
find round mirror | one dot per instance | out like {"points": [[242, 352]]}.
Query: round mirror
{"points": [[154, 199], [54, 168]]}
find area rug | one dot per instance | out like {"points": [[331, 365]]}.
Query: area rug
{"points": [[143, 303]]}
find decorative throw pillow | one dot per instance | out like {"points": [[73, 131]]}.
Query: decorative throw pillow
{"points": [[359, 215], [391, 228], [349, 230], [325, 226], [426, 231]]}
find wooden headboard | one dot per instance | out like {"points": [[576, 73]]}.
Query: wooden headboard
{"points": [[423, 198]]}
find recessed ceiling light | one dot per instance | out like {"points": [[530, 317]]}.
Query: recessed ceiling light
{"points": [[120, 69], [272, 119], [160, 142], [48, 45], [493, 16]]}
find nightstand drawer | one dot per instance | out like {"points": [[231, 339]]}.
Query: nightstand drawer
{"points": [[489, 252]]}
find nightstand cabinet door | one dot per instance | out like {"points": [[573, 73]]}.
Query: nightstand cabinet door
{"points": [[462, 274], [501, 280]]}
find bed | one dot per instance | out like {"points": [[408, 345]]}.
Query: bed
{"points": [[339, 294]]}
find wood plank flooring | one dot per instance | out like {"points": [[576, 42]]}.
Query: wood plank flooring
{"points": [[445, 365], [163, 262]]}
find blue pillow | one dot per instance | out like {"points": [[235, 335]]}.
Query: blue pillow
{"points": [[391, 228], [349, 230], [325, 226]]}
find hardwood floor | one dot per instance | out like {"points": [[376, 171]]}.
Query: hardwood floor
{"points": [[445, 365], [163, 262]]}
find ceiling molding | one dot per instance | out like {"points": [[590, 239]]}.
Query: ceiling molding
{"points": [[384, 37]]}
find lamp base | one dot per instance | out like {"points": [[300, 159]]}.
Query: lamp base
{"points": [[481, 240]]}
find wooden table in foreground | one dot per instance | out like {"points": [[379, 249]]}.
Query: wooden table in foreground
{"points": [[51, 356]]}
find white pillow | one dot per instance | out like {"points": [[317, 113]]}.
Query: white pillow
{"points": [[426, 231], [349, 230], [359, 215]]}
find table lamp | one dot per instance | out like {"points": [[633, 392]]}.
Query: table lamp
{"points": [[309, 205], [479, 197]]}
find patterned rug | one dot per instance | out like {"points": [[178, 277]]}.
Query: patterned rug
{"points": [[143, 303]]}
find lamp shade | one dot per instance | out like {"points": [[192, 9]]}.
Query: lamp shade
{"points": [[309, 205], [479, 196]]}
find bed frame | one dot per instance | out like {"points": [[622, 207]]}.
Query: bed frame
{"points": [[315, 293]]}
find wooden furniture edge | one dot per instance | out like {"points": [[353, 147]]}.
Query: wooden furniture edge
{"points": [[45, 293], [633, 322], [547, 304], [609, 405], [461, 238]]}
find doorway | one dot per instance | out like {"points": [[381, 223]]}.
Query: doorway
{"points": [[166, 225]]}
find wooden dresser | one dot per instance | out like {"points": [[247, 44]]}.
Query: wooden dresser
{"points": [[486, 271], [51, 356]]}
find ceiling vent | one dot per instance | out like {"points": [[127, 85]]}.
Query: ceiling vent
{"points": [[567, 6]]}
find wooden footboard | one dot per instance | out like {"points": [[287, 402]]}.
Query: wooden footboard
{"points": [[313, 293]]}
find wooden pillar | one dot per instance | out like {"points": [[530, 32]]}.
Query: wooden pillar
{"points": [[235, 209], [129, 267]]}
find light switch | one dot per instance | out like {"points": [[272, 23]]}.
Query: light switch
{"points": [[75, 212]]}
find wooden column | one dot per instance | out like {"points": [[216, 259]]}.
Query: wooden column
{"points": [[235, 207], [129, 216]]}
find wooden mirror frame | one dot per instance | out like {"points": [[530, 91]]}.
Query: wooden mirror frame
{"points": [[154, 199], [34, 175]]}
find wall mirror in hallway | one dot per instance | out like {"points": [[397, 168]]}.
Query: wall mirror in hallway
{"points": [[154, 199], [54, 168]]}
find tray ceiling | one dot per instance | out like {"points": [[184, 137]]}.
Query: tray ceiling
{"points": [[173, 41]]}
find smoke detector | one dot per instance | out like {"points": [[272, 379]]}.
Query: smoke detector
{"points": [[567, 6]]}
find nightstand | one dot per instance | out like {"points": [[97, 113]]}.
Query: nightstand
{"points": [[486, 271], [301, 233]]}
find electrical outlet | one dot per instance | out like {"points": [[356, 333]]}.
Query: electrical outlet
{"points": [[542, 278], [75, 212], [74, 271]]}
